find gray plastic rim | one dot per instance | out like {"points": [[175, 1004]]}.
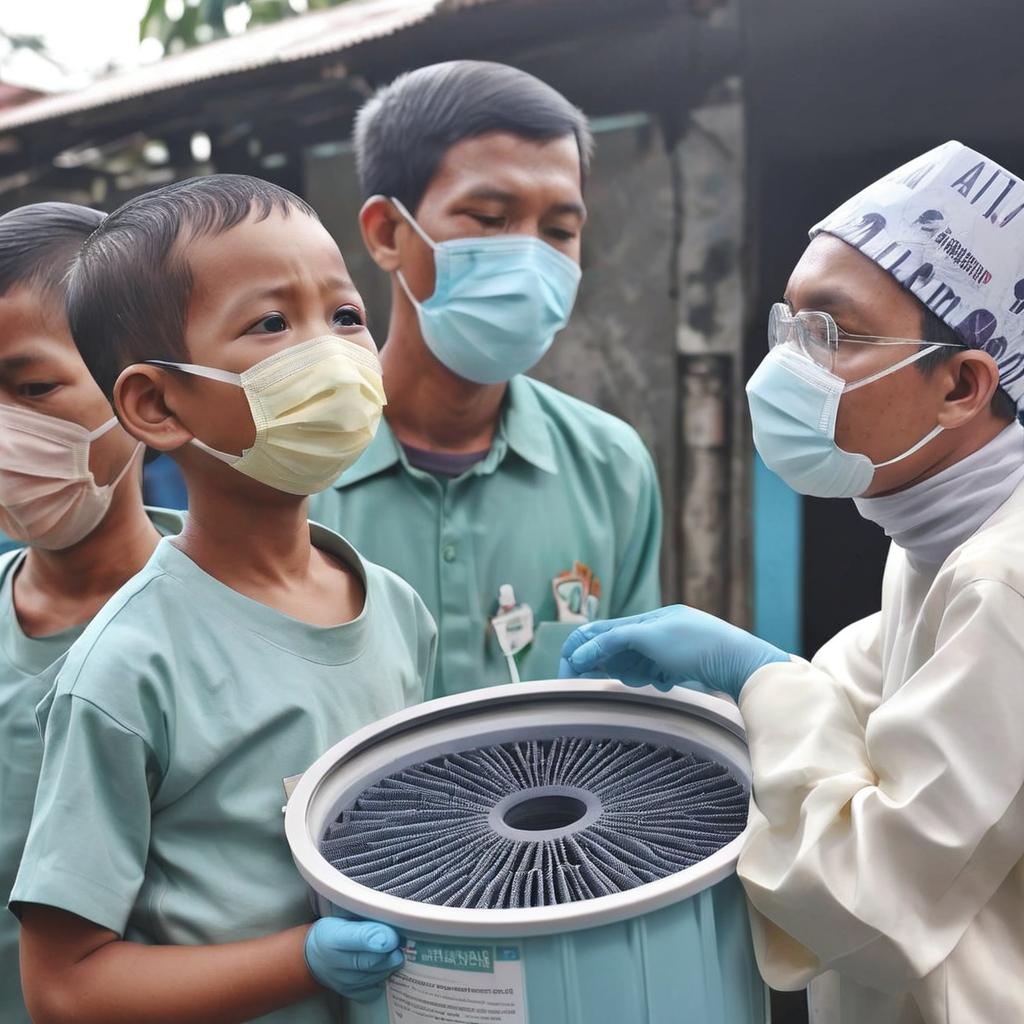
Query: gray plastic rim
{"points": [[315, 799]]}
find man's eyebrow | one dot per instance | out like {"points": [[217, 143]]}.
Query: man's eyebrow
{"points": [[573, 209], [498, 195], [827, 299], [11, 364], [488, 192]]}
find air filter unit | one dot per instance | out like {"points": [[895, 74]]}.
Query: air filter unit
{"points": [[552, 853]]}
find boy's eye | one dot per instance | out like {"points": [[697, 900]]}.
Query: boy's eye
{"points": [[561, 234], [272, 323], [348, 316], [36, 389]]}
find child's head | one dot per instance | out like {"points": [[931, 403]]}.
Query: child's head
{"points": [[38, 362], [221, 272], [48, 400]]}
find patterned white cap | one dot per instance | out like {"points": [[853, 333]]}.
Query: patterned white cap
{"points": [[949, 227]]}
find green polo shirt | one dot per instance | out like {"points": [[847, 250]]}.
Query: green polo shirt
{"points": [[28, 668], [174, 720], [563, 482]]}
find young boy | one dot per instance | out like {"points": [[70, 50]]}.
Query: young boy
{"points": [[157, 884], [69, 490]]}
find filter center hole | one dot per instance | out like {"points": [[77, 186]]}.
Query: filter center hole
{"points": [[544, 813], [539, 813]]}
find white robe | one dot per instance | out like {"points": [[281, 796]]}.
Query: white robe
{"points": [[884, 863]]}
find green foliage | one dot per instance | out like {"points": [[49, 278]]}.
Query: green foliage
{"points": [[204, 20]]}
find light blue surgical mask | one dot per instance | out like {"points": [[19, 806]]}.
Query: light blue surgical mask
{"points": [[497, 305], [794, 402]]}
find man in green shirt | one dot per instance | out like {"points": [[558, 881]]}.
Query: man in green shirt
{"points": [[480, 477]]}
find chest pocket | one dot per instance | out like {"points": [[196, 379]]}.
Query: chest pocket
{"points": [[540, 661]]}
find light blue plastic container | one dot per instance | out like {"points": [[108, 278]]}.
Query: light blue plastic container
{"points": [[675, 951]]}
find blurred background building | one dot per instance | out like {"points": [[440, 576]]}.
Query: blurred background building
{"points": [[724, 128]]}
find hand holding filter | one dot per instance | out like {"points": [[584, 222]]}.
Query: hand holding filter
{"points": [[352, 958], [673, 646]]}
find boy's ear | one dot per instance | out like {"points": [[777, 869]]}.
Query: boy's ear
{"points": [[141, 405], [378, 220], [974, 378]]}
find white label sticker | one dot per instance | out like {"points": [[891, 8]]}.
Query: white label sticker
{"points": [[450, 983]]}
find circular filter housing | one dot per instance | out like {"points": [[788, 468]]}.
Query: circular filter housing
{"points": [[407, 805], [601, 818]]}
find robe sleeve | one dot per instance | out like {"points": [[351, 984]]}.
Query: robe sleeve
{"points": [[879, 829]]}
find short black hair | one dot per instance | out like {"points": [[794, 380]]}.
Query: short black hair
{"points": [[935, 330], [403, 132], [129, 288], [38, 243]]}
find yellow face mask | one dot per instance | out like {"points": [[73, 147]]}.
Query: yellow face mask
{"points": [[315, 406]]}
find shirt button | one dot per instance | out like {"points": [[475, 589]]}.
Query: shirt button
{"points": [[448, 552]]}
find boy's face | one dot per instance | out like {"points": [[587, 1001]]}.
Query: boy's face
{"points": [[41, 370], [261, 286], [497, 184]]}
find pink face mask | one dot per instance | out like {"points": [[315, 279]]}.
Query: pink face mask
{"points": [[48, 495]]}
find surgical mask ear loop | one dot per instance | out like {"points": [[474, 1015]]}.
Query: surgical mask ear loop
{"points": [[106, 428], [127, 466], [103, 428], [211, 373], [932, 434], [910, 451], [863, 382], [411, 221]]}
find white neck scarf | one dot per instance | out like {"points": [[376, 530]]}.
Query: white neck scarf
{"points": [[932, 518]]}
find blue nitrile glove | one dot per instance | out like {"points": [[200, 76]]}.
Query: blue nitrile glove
{"points": [[353, 958], [674, 646]]}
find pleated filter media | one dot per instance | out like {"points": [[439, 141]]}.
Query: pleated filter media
{"points": [[534, 824], [551, 853]]}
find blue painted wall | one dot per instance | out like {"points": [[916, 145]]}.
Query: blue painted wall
{"points": [[778, 558]]}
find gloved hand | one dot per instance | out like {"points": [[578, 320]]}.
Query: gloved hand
{"points": [[353, 958], [674, 646]]}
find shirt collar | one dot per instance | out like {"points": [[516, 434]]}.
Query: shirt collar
{"points": [[523, 428], [934, 517]]}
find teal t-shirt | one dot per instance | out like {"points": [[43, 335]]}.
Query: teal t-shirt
{"points": [[563, 482], [174, 721], [28, 667]]}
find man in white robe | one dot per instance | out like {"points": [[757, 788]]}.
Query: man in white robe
{"points": [[885, 858]]}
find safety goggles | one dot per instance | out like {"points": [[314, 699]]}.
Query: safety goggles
{"points": [[817, 335]]}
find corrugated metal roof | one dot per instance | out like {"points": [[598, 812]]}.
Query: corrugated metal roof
{"points": [[311, 35]]}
